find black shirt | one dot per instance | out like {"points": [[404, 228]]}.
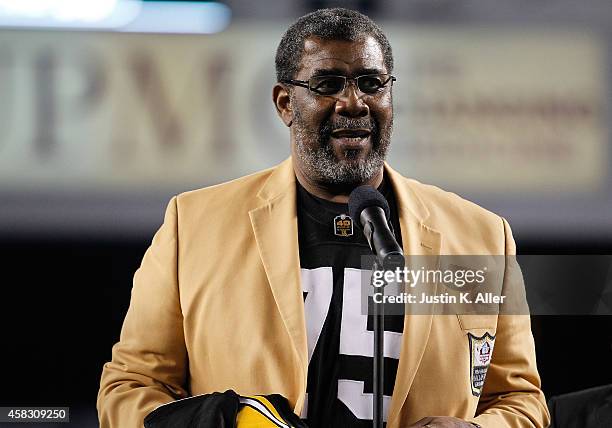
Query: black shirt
{"points": [[340, 338]]}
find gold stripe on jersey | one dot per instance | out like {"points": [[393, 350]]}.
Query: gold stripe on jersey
{"points": [[258, 412]]}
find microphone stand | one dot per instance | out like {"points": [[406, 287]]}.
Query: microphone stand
{"points": [[392, 260], [378, 313]]}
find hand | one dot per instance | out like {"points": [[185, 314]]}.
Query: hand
{"points": [[442, 422]]}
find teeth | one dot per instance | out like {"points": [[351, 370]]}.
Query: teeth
{"points": [[343, 135]]}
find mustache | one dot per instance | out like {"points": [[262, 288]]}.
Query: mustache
{"points": [[329, 125], [348, 123]]}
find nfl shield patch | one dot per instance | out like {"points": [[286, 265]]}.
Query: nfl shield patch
{"points": [[481, 351]]}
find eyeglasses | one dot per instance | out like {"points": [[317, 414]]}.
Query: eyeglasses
{"points": [[331, 85]]}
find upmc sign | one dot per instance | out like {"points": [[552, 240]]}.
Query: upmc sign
{"points": [[483, 111], [109, 111]]}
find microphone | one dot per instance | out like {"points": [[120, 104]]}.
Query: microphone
{"points": [[369, 209]]}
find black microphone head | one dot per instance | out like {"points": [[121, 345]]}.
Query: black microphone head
{"points": [[363, 197]]}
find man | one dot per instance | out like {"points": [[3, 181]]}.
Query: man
{"points": [[249, 285]]}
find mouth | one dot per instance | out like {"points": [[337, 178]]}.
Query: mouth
{"points": [[344, 133], [351, 139]]}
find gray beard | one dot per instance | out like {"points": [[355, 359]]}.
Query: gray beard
{"points": [[321, 164]]}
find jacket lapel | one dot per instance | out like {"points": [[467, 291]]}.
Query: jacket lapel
{"points": [[418, 239], [275, 227]]}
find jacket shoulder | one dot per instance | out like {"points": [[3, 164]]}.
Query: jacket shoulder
{"points": [[466, 226], [231, 194], [442, 202]]}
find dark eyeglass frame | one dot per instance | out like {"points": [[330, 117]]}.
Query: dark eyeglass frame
{"points": [[309, 84]]}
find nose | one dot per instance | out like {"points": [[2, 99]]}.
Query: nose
{"points": [[350, 104]]}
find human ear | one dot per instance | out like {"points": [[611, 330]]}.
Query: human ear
{"points": [[282, 102]]}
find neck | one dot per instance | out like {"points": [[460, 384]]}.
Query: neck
{"points": [[333, 192]]}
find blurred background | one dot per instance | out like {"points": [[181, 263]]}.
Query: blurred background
{"points": [[110, 107]]}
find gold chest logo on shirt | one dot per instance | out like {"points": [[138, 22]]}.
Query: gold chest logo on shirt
{"points": [[343, 225]]}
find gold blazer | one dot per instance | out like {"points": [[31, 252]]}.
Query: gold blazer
{"points": [[217, 304]]}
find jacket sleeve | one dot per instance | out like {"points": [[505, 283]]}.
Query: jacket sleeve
{"points": [[511, 395], [149, 363]]}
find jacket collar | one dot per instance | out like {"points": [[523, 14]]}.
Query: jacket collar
{"points": [[419, 239], [274, 224], [282, 179], [407, 198]]}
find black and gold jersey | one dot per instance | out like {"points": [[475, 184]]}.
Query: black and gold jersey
{"points": [[263, 411], [225, 410], [340, 336]]}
